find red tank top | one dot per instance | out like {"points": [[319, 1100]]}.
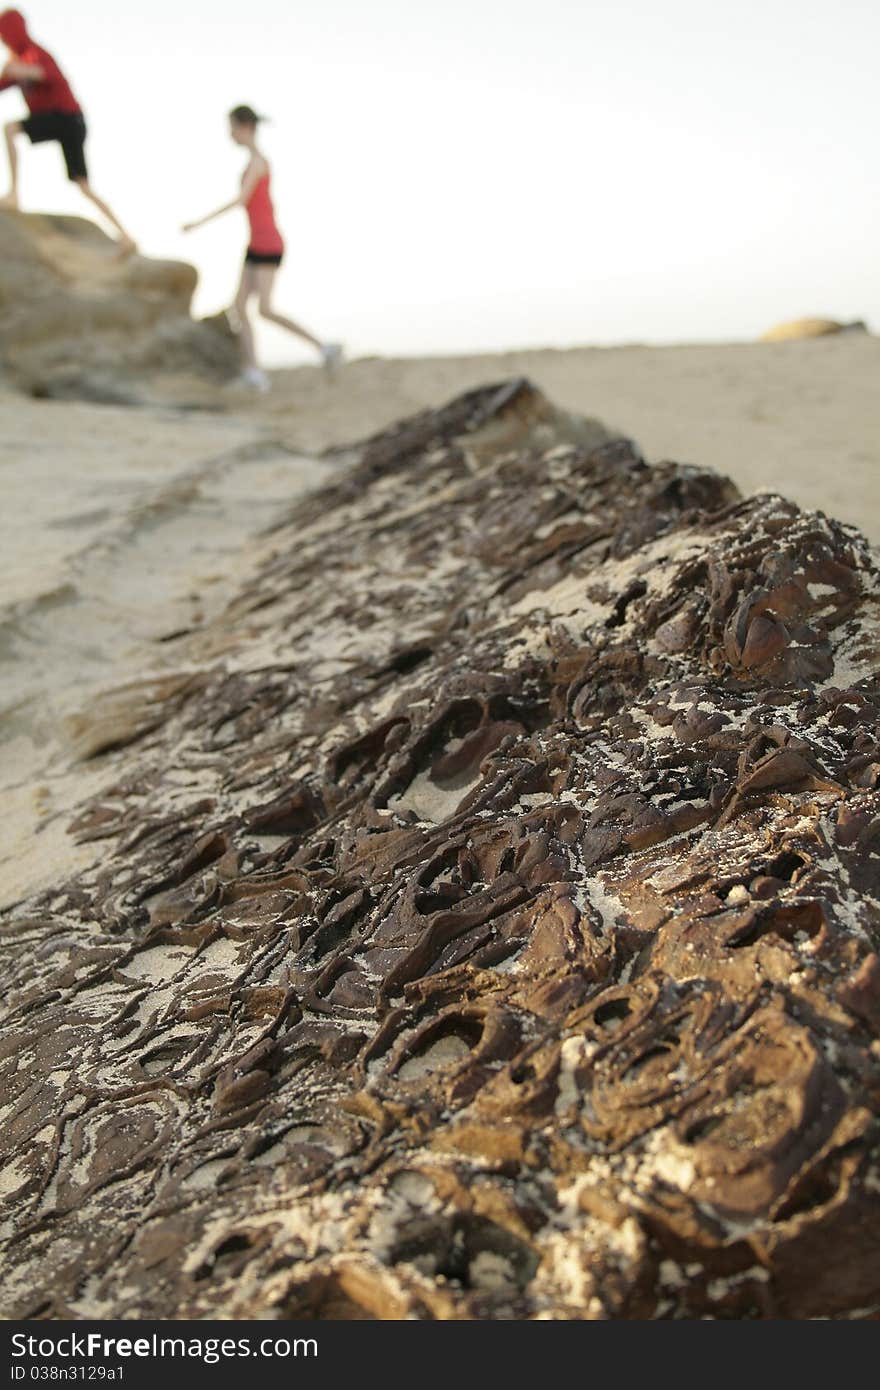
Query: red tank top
{"points": [[266, 239]]}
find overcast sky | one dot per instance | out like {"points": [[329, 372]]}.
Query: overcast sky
{"points": [[453, 175]]}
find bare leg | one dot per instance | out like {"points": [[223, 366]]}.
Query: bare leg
{"points": [[10, 131], [265, 282], [247, 286], [125, 241]]}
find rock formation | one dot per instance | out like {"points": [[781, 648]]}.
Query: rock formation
{"points": [[484, 921], [795, 329], [76, 320]]}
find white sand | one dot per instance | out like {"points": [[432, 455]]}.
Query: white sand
{"points": [[120, 527]]}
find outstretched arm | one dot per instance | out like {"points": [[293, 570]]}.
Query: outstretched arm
{"points": [[209, 217], [15, 72], [254, 172]]}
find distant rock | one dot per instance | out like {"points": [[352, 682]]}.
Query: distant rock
{"points": [[794, 329], [78, 321]]}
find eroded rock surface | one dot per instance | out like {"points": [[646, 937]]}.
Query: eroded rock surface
{"points": [[484, 923], [77, 321]]}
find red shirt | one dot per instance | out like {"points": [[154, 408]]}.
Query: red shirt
{"points": [[53, 92]]}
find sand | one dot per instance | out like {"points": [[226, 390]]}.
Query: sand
{"points": [[121, 528]]}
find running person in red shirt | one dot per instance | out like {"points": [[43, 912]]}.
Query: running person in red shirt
{"points": [[55, 114], [264, 254]]}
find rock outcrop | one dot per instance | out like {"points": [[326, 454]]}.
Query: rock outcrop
{"points": [[483, 924], [793, 330], [79, 321]]}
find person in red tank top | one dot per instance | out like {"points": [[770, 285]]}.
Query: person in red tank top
{"points": [[54, 114], [264, 254]]}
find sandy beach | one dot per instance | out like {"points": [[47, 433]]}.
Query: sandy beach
{"points": [[121, 528]]}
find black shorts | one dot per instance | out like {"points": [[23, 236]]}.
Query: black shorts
{"points": [[69, 129], [263, 257]]}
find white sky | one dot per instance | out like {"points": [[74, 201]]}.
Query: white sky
{"points": [[453, 175]]}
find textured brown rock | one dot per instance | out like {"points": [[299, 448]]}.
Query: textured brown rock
{"points": [[487, 923], [79, 321]]}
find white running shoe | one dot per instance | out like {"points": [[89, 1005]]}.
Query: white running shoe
{"points": [[332, 356], [255, 377]]}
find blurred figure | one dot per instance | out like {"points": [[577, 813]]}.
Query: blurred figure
{"points": [[55, 114], [264, 253]]}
